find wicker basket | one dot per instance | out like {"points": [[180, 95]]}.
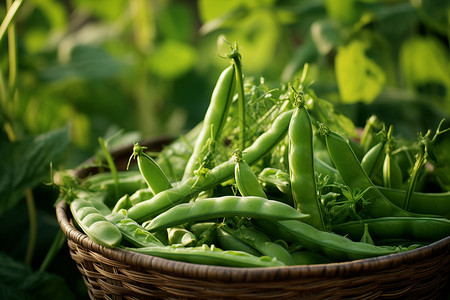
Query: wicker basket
{"points": [[423, 273]]}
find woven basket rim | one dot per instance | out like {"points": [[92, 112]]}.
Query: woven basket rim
{"points": [[234, 274]]}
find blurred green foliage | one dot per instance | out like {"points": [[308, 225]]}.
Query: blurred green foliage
{"points": [[148, 67]]}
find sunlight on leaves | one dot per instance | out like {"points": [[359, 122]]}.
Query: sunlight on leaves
{"points": [[359, 77]]}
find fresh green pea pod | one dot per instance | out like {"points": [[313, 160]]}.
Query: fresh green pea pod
{"points": [[94, 224], [301, 168], [207, 236], [246, 180], [421, 229], [334, 246], [421, 203], [129, 182], [215, 117], [262, 243], [307, 257], [373, 159], [189, 188], [392, 174], [131, 231], [221, 207], [355, 177], [209, 256], [152, 173], [200, 227], [369, 136], [123, 203], [228, 241], [141, 195], [181, 236]]}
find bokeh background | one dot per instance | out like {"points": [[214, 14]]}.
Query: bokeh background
{"points": [[76, 70]]}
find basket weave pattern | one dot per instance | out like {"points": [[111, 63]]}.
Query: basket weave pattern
{"points": [[423, 273]]}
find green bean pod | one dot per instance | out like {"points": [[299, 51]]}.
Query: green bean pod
{"points": [[131, 231], [189, 188], [215, 117], [421, 229], [332, 245], [226, 206], [94, 224], [301, 168], [356, 178], [246, 180], [209, 256]]}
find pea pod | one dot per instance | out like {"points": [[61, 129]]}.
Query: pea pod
{"points": [[356, 178], [392, 175], [332, 245], [131, 231], [246, 180], [123, 203], [301, 168], [209, 256], [262, 243], [188, 189], [421, 203], [229, 242], [181, 236], [226, 206], [417, 229], [94, 224], [154, 176], [373, 158], [215, 117]]}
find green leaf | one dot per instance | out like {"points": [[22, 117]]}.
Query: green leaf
{"points": [[359, 77], [425, 60], [326, 35], [26, 163], [172, 59], [18, 281]]}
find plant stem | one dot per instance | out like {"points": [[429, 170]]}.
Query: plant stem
{"points": [[112, 166], [58, 242], [33, 226], [12, 11]]}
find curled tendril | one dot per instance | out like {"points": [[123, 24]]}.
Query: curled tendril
{"points": [[323, 129]]}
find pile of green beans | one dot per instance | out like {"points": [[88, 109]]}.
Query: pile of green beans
{"points": [[269, 179]]}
